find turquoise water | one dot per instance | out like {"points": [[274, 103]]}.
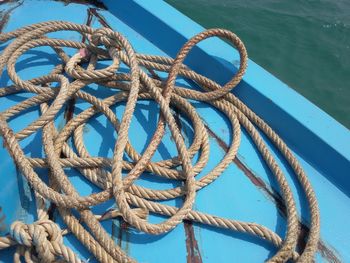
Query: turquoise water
{"points": [[305, 43]]}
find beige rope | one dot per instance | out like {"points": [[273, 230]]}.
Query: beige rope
{"points": [[43, 236]]}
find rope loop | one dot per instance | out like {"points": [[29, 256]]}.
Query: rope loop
{"points": [[129, 78], [188, 46]]}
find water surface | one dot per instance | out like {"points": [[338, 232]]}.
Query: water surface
{"points": [[305, 43]]}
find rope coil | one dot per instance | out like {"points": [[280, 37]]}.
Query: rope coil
{"points": [[134, 202]]}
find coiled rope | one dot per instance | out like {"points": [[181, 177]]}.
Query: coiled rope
{"points": [[43, 240]]}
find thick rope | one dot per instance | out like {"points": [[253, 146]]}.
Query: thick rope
{"points": [[42, 240]]}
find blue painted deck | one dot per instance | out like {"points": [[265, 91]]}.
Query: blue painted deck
{"points": [[321, 144]]}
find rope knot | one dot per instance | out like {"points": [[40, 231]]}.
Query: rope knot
{"points": [[40, 235]]}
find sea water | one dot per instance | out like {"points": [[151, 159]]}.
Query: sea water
{"points": [[305, 43]]}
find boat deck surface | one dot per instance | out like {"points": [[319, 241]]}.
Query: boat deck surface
{"points": [[245, 191]]}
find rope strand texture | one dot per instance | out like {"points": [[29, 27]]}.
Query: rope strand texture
{"points": [[42, 241]]}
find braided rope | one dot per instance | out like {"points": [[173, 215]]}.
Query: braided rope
{"points": [[42, 240]]}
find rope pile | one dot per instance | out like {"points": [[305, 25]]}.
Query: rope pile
{"points": [[42, 240]]}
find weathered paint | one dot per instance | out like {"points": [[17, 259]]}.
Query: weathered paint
{"points": [[100, 17], [3, 226], [193, 252], [5, 14], [122, 234], [326, 252], [96, 3]]}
